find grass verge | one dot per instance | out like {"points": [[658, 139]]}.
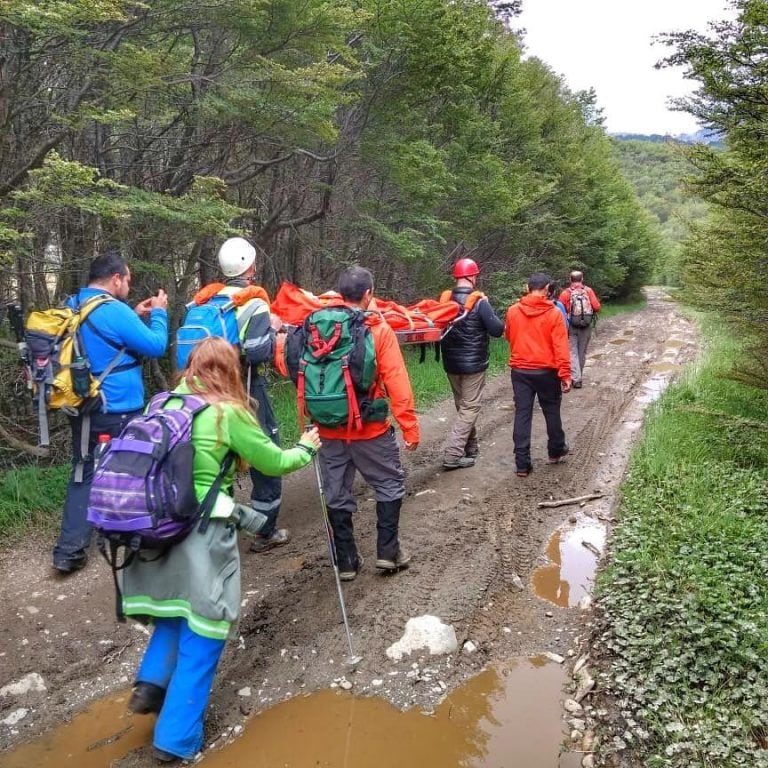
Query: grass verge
{"points": [[31, 496], [684, 599]]}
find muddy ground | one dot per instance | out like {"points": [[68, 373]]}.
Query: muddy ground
{"points": [[477, 535]]}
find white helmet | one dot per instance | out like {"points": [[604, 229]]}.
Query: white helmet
{"points": [[235, 256]]}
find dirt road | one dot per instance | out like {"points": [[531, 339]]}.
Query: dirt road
{"points": [[476, 534]]}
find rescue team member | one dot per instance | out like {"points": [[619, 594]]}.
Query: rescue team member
{"points": [[192, 593], [541, 367], [465, 351], [372, 450], [582, 321], [111, 327], [237, 260]]}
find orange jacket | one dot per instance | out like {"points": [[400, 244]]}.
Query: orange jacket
{"points": [[392, 382], [565, 297], [537, 336]]}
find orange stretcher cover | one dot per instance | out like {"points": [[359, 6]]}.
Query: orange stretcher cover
{"points": [[416, 323]]}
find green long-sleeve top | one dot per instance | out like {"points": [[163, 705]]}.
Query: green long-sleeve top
{"points": [[223, 427]]}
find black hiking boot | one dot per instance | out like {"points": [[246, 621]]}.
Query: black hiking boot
{"points": [[146, 698], [462, 463]]}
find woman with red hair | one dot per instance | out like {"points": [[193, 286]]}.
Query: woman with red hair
{"points": [[191, 594]]}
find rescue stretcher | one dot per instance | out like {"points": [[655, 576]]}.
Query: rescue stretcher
{"points": [[420, 323]]}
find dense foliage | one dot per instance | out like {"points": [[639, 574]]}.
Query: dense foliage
{"points": [[327, 130], [725, 262], [656, 171], [683, 602]]}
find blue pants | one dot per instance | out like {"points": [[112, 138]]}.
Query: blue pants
{"points": [[184, 664], [267, 492], [75, 533]]}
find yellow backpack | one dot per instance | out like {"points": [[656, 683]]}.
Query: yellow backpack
{"points": [[59, 368]]}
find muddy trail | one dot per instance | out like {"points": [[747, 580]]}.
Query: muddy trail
{"points": [[477, 535]]}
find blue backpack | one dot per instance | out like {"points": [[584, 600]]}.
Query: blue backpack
{"points": [[214, 318], [217, 315]]}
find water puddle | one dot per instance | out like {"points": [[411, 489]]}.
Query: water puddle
{"points": [[665, 367], [514, 709], [618, 341], [674, 343], [93, 739], [629, 331], [573, 555]]}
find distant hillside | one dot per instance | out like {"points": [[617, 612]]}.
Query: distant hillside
{"points": [[703, 136], [655, 169]]}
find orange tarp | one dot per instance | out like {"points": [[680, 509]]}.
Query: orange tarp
{"points": [[292, 304]]}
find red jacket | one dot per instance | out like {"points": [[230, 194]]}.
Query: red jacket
{"points": [[392, 382], [565, 297], [537, 336]]}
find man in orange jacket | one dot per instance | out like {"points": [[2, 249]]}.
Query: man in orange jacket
{"points": [[541, 367], [372, 450]]}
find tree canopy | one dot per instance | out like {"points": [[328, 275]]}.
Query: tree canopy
{"points": [[328, 131], [725, 261]]}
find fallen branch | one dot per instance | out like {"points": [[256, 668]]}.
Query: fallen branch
{"points": [[20, 445], [574, 500]]}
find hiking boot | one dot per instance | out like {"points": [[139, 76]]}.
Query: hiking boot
{"points": [[146, 698], [65, 566], [350, 574], [265, 543], [560, 458], [524, 471], [400, 560], [462, 463], [165, 757], [472, 453], [576, 385]]}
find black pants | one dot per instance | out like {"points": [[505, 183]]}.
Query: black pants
{"points": [[527, 385], [267, 491], [75, 535]]}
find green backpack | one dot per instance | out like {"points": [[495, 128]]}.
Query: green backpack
{"points": [[332, 360]]}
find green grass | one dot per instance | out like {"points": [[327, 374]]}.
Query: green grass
{"points": [[621, 308], [31, 496], [685, 600]]}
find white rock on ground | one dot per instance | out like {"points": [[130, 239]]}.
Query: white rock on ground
{"points": [[31, 682], [15, 716], [424, 632]]}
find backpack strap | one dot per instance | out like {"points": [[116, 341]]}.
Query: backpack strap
{"points": [[208, 503]]}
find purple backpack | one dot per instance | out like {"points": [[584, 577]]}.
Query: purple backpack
{"points": [[143, 494]]}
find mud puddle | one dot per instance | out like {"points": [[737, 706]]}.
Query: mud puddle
{"points": [[508, 715], [102, 733], [573, 552]]}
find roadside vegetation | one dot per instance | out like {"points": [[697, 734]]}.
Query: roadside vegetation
{"points": [[683, 603]]}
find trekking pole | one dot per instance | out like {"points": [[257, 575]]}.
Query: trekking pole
{"points": [[353, 659]]}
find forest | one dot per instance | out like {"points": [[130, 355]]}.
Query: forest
{"points": [[656, 170], [328, 131]]}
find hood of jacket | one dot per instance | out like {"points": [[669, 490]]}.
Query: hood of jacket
{"points": [[533, 305]]}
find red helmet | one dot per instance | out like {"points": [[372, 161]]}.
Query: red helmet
{"points": [[465, 268]]}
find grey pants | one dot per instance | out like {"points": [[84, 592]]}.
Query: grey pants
{"points": [[578, 339], [467, 396], [377, 460]]}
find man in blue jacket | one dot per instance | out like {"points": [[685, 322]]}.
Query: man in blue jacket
{"points": [[115, 338]]}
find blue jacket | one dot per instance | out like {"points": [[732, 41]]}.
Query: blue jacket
{"points": [[117, 323]]}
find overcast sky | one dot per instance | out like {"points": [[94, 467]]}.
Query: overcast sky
{"points": [[606, 44]]}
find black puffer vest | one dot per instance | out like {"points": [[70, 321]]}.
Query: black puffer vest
{"points": [[465, 347]]}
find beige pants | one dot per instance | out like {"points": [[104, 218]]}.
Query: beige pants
{"points": [[467, 395]]}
